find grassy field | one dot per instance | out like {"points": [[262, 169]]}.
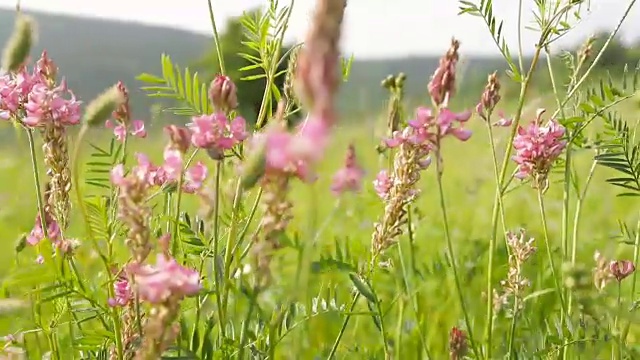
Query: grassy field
{"points": [[326, 221]]}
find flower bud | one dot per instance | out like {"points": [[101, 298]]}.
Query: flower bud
{"points": [[223, 93], [179, 137]]}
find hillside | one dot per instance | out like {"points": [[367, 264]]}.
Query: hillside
{"points": [[94, 53]]}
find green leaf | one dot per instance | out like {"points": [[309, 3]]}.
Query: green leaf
{"points": [[363, 288]]}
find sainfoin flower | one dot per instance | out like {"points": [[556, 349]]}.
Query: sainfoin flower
{"points": [[37, 233], [620, 269], [349, 177], [194, 177], [122, 292], [217, 132], [537, 147], [382, 184], [120, 130], [47, 105], [164, 280]]}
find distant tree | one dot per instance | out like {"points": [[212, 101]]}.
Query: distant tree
{"points": [[250, 92]]}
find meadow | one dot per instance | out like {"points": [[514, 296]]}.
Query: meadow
{"points": [[323, 293]]}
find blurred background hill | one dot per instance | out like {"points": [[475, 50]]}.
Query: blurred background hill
{"points": [[94, 54]]}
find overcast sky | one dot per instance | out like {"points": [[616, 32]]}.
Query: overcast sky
{"points": [[373, 28]]}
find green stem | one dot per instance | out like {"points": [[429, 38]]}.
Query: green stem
{"points": [[214, 251], [450, 249], [230, 248], [503, 173], [408, 288], [547, 241], [566, 192], [618, 347], [216, 38], [245, 327], [36, 179], [634, 278], [498, 207], [345, 322], [512, 331]]}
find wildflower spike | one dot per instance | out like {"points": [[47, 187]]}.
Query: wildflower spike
{"points": [[100, 108], [19, 45]]}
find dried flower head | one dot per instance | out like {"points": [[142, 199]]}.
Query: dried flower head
{"points": [[601, 272], [521, 249]]}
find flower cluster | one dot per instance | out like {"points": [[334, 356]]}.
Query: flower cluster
{"points": [[217, 133], [520, 250], [166, 279], [35, 100], [537, 147], [457, 344], [414, 145]]}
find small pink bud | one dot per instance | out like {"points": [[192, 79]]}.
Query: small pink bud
{"points": [[138, 129], [223, 93]]}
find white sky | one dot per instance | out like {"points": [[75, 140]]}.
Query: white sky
{"points": [[373, 28]]}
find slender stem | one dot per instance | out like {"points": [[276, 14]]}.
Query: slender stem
{"points": [[454, 265], [520, 51], [383, 331], [336, 343], [230, 248], [634, 277], [547, 241], [497, 206], [618, 346], [503, 173], [36, 179], [216, 239], [245, 327], [408, 287], [216, 38], [566, 191], [512, 331], [175, 237]]}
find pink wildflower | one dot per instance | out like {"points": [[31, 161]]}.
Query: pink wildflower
{"points": [[537, 147], [164, 280], [122, 293], [349, 178], [620, 269], [382, 184], [48, 106], [37, 234], [172, 163], [194, 177], [296, 153], [120, 130], [216, 132]]}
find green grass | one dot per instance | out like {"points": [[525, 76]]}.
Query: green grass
{"points": [[469, 187]]}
